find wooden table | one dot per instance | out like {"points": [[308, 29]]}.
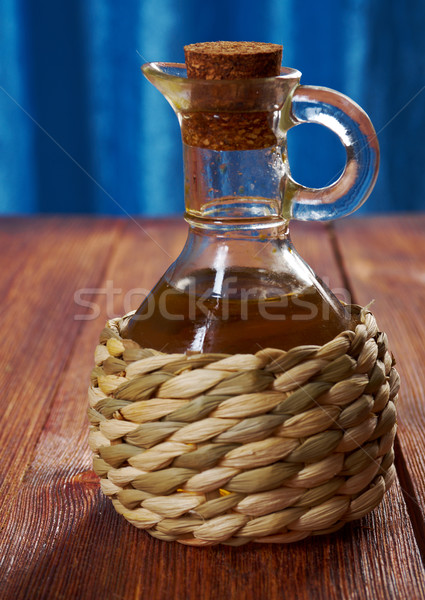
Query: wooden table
{"points": [[60, 538]]}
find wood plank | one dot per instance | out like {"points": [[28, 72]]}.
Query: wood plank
{"points": [[71, 543], [384, 259], [43, 262]]}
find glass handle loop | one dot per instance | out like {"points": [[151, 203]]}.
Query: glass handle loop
{"points": [[344, 117]]}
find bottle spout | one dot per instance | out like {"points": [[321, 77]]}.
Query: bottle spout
{"points": [[227, 114], [171, 80]]}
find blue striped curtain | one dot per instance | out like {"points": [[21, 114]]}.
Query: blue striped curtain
{"points": [[82, 132]]}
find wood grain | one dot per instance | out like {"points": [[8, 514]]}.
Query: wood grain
{"points": [[62, 539], [44, 262], [384, 259]]}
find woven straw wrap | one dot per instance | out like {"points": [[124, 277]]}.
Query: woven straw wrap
{"points": [[267, 447]]}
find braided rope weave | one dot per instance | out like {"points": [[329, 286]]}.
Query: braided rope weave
{"points": [[271, 447]]}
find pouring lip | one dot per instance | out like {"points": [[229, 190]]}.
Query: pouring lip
{"points": [[157, 70]]}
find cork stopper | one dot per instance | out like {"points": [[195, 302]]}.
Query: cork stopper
{"points": [[222, 129], [232, 60]]}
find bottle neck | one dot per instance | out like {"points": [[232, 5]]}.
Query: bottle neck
{"points": [[239, 190]]}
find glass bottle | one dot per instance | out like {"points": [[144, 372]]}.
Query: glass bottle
{"points": [[239, 285]]}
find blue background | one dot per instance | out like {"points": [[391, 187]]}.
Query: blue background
{"points": [[81, 131]]}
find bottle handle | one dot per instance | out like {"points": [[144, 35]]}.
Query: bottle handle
{"points": [[344, 117]]}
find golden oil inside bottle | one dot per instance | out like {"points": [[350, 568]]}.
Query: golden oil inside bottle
{"points": [[241, 312]]}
